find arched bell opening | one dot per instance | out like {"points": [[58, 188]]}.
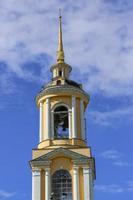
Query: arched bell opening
{"points": [[61, 122], [61, 185]]}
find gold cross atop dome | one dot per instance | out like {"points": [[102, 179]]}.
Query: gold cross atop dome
{"points": [[60, 51]]}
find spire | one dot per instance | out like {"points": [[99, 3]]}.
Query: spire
{"points": [[60, 52]]}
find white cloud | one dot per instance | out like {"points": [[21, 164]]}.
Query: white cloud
{"points": [[105, 118], [122, 163], [7, 86], [111, 154], [5, 194], [110, 188], [115, 188], [96, 37], [116, 157], [130, 185]]}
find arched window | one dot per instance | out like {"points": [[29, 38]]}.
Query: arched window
{"points": [[58, 82], [62, 185], [60, 73], [61, 127]]}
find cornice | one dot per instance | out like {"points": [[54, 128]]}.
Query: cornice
{"points": [[62, 89], [76, 157]]}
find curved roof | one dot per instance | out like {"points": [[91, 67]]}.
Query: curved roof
{"points": [[61, 65]]}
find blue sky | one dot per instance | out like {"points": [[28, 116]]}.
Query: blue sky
{"points": [[98, 41]]}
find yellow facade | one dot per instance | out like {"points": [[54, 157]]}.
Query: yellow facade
{"points": [[55, 101], [65, 163], [62, 140]]}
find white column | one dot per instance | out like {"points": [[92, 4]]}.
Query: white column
{"points": [[47, 134], [52, 125], [36, 184], [82, 119], [75, 183], [63, 73], [40, 123], [47, 184], [74, 127], [70, 124], [88, 183]]}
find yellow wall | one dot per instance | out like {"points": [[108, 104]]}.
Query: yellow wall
{"points": [[66, 164], [42, 185], [60, 99], [53, 101], [61, 163], [66, 143], [62, 94], [81, 184], [65, 100], [39, 152]]}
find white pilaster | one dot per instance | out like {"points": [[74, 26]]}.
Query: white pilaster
{"points": [[36, 184], [47, 184], [40, 123], [70, 124], [63, 72], [47, 134], [75, 183], [52, 125], [82, 119], [88, 183], [74, 127]]}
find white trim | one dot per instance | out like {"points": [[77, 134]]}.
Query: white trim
{"points": [[75, 183], [74, 127], [88, 183], [70, 123], [52, 117], [36, 185], [47, 134], [47, 184], [52, 125], [59, 104], [82, 119], [63, 72], [41, 122]]}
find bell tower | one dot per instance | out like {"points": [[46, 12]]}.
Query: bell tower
{"points": [[62, 164]]}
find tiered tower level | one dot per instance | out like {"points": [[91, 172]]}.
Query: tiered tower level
{"points": [[62, 164]]}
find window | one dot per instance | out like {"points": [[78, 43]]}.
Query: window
{"points": [[60, 73], [62, 185], [58, 82], [61, 129]]}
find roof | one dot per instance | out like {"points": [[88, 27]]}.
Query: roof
{"points": [[55, 153], [61, 65]]}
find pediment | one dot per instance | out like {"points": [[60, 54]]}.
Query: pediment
{"points": [[60, 152]]}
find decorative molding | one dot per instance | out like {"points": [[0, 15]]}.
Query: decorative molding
{"points": [[40, 164], [61, 65], [62, 89], [76, 158], [83, 161], [36, 169], [36, 173], [60, 103], [76, 167]]}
